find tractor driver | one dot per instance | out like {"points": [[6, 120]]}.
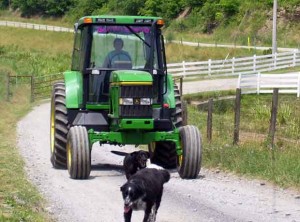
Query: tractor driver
{"points": [[118, 58]]}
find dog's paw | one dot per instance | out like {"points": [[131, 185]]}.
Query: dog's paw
{"points": [[153, 166]]}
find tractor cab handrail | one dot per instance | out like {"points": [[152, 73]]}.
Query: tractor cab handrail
{"points": [[97, 71]]}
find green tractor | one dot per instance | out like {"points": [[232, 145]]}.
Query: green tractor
{"points": [[118, 96]]}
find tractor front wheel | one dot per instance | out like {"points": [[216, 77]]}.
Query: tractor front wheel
{"points": [[189, 163], [78, 153]]}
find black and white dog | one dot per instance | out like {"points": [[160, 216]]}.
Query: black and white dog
{"points": [[133, 161], [143, 191]]}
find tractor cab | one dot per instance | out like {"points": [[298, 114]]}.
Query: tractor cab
{"points": [[104, 45]]}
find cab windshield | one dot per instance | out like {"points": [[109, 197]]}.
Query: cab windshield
{"points": [[121, 47]]}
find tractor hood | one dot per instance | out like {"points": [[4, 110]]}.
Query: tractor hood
{"points": [[132, 76]]}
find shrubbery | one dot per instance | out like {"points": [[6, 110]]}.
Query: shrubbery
{"points": [[204, 16]]}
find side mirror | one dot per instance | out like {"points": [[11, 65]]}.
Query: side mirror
{"points": [[75, 27]]}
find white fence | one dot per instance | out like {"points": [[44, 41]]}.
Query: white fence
{"points": [[288, 83], [35, 26], [236, 66]]}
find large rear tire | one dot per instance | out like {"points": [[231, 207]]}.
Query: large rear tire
{"points": [[163, 153], [78, 153], [58, 126], [189, 163], [179, 116]]}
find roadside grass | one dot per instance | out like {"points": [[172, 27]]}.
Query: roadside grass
{"points": [[19, 199], [178, 53], [255, 31], [253, 156], [50, 42], [7, 15], [24, 52], [33, 52]]}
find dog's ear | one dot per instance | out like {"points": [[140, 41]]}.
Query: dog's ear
{"points": [[148, 155], [122, 188]]}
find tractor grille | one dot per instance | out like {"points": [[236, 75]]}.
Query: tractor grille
{"points": [[136, 92]]}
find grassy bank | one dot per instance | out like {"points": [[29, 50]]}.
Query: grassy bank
{"points": [[19, 199], [253, 156], [24, 52]]}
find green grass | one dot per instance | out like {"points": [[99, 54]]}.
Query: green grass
{"points": [[19, 199], [33, 52], [253, 156], [24, 52], [255, 27], [179, 53], [7, 15]]}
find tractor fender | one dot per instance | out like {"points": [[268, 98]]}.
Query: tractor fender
{"points": [[169, 97], [74, 92]]}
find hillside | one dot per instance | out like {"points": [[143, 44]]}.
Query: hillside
{"points": [[218, 21]]}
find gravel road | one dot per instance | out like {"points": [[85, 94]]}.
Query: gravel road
{"points": [[214, 196]]}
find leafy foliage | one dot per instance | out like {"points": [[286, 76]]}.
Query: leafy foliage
{"points": [[40, 7]]}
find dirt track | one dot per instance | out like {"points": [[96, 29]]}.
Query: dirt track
{"points": [[212, 197]]}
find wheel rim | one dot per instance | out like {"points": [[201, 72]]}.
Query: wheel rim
{"points": [[152, 146], [69, 155], [180, 160], [180, 157], [52, 127]]}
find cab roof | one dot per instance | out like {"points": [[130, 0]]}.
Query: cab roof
{"points": [[114, 19]]}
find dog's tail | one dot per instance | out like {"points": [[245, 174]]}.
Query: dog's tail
{"points": [[166, 175], [120, 153]]}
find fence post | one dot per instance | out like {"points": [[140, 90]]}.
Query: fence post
{"points": [[239, 81], [275, 60], [274, 109], [209, 67], [183, 67], [233, 64], [237, 114], [32, 88], [254, 63], [258, 83], [209, 119], [180, 86], [298, 85], [8, 87], [294, 58]]}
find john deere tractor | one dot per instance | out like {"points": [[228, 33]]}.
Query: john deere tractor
{"points": [[121, 97]]}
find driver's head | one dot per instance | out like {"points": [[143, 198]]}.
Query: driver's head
{"points": [[118, 43]]}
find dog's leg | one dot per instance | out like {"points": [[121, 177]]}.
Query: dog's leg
{"points": [[127, 216], [148, 213], [152, 216]]}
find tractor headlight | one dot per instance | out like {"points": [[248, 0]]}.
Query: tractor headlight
{"points": [[126, 101], [145, 101]]}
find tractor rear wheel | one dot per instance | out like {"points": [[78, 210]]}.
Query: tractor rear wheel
{"points": [[179, 116], [78, 153], [163, 153], [58, 126], [189, 163]]}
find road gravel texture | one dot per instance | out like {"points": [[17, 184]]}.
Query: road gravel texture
{"points": [[213, 196]]}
